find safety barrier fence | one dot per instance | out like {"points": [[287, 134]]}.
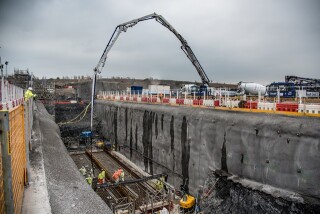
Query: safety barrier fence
{"points": [[222, 101], [10, 95], [16, 119]]}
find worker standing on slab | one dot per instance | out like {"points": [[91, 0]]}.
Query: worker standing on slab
{"points": [[89, 180], [28, 94], [121, 175], [100, 178], [103, 173], [83, 170]]}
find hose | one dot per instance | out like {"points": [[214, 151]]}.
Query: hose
{"points": [[81, 115]]}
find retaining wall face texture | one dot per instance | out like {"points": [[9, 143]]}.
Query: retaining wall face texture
{"points": [[277, 150]]}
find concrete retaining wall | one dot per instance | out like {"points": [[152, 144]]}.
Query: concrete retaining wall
{"points": [[186, 142], [68, 190]]}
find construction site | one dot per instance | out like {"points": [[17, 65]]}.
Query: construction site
{"points": [[178, 154], [90, 144]]}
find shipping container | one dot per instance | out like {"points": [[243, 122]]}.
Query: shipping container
{"points": [[158, 89], [136, 89]]}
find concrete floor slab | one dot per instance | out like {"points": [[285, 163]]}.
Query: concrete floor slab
{"points": [[36, 197]]}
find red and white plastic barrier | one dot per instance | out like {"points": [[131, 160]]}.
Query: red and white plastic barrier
{"points": [[10, 95], [251, 105], [286, 107], [172, 101], [291, 107], [232, 103], [267, 106], [309, 108], [188, 102], [209, 103]]}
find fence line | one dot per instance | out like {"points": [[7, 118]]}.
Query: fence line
{"points": [[16, 120], [220, 101], [11, 95]]}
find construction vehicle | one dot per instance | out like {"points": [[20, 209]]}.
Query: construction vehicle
{"points": [[293, 86], [187, 202], [251, 88], [184, 45], [303, 81], [123, 28]]}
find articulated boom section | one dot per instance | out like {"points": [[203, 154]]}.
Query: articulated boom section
{"points": [[184, 45], [303, 80]]}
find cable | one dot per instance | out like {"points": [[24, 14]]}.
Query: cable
{"points": [[84, 112]]}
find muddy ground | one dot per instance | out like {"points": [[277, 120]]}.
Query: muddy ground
{"points": [[221, 195]]}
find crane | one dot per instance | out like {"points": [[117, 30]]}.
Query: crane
{"points": [[124, 27], [184, 45]]}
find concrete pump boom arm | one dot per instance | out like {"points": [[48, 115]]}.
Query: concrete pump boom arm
{"points": [[184, 45], [302, 79]]}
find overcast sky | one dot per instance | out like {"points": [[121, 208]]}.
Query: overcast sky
{"points": [[234, 40]]}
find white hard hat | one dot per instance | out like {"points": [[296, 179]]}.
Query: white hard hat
{"points": [[30, 88]]}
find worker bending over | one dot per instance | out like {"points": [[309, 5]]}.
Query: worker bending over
{"points": [[159, 183], [117, 175]]}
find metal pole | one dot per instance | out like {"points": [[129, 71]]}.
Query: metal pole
{"points": [[2, 88], [6, 68], [92, 158], [92, 100]]}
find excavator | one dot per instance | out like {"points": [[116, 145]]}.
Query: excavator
{"points": [[124, 27]]}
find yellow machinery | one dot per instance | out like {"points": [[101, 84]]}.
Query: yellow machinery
{"points": [[100, 144], [187, 203]]}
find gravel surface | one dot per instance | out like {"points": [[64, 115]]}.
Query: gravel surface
{"points": [[221, 195]]}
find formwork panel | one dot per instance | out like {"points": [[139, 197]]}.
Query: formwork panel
{"points": [[1, 185], [18, 155]]}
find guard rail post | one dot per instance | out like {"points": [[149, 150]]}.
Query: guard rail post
{"points": [[6, 161], [28, 117]]}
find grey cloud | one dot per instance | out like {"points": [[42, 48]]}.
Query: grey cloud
{"points": [[234, 40]]}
